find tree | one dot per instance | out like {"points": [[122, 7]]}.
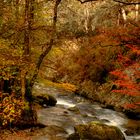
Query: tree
{"points": [[128, 73], [18, 62]]}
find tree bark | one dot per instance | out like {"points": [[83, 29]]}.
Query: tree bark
{"points": [[29, 18], [23, 83], [124, 16], [137, 12], [27, 28]]}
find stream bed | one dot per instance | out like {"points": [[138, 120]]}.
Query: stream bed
{"points": [[71, 110]]}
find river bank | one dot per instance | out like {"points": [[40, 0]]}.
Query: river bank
{"points": [[108, 99]]}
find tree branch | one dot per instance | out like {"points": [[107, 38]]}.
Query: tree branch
{"points": [[127, 3], [84, 1], [119, 1]]}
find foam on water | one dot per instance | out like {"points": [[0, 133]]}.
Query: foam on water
{"points": [[65, 103]]}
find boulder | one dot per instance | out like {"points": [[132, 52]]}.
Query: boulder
{"points": [[96, 131], [45, 100], [74, 109], [132, 127]]}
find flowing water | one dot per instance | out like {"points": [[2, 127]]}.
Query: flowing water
{"points": [[71, 110]]}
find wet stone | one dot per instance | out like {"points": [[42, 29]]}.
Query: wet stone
{"points": [[74, 109], [96, 131]]}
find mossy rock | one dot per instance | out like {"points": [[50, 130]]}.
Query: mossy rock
{"points": [[74, 109], [133, 127], [45, 100], [96, 131]]}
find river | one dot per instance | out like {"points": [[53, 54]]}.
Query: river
{"points": [[71, 110]]}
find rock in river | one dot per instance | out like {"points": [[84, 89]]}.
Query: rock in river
{"points": [[96, 131], [45, 100]]}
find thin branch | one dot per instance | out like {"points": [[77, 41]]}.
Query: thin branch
{"points": [[127, 3], [119, 1], [84, 1], [55, 69]]}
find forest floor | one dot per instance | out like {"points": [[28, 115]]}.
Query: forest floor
{"points": [[18, 134]]}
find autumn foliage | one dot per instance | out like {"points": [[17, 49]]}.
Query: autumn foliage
{"points": [[11, 110], [109, 50], [128, 73]]}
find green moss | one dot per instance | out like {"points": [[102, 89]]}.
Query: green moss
{"points": [[26, 107], [99, 131]]}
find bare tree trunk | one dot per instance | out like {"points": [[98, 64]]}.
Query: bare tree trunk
{"points": [[1, 12], [137, 12], [86, 13], [17, 10], [27, 28], [118, 18], [23, 84], [32, 8], [124, 16], [29, 18]]}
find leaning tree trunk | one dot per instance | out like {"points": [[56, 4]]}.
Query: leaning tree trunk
{"points": [[48, 47]]}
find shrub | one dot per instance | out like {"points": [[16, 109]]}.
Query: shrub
{"points": [[11, 110], [128, 73]]}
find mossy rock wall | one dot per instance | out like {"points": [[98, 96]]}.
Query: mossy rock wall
{"points": [[109, 99]]}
